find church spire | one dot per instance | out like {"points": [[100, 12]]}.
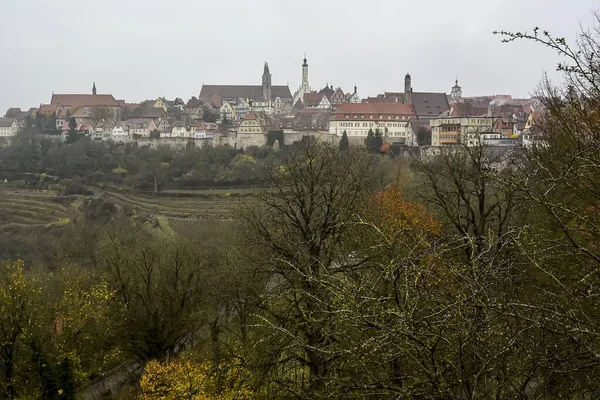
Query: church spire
{"points": [[456, 92], [266, 83], [94, 88], [305, 86]]}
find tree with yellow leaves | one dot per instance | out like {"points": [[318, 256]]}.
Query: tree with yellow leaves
{"points": [[186, 378]]}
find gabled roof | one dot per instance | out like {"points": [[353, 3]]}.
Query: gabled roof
{"points": [[96, 100], [463, 109], [429, 104], [327, 90], [7, 122], [312, 99], [337, 97], [243, 91], [426, 104]]}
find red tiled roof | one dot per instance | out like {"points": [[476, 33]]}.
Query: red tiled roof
{"points": [[375, 108], [84, 100], [47, 109], [467, 109], [312, 99], [381, 99]]}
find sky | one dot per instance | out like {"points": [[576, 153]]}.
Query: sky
{"points": [[143, 49]]}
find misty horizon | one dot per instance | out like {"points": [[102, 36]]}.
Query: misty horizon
{"points": [[58, 48]]}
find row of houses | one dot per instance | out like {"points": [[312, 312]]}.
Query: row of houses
{"points": [[114, 130], [245, 114]]}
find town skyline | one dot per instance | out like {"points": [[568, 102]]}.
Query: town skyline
{"points": [[136, 61]]}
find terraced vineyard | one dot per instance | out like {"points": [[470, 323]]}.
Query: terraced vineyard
{"points": [[197, 207], [27, 208]]}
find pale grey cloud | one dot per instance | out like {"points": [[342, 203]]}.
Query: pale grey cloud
{"points": [[138, 49]]}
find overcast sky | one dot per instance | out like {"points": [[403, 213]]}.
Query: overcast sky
{"points": [[141, 49]]}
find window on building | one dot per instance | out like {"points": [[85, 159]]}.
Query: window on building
{"points": [[355, 116]]}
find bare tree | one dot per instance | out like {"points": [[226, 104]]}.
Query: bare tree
{"points": [[299, 228], [474, 188]]}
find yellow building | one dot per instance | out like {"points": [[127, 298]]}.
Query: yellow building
{"points": [[227, 111], [160, 103], [181, 130], [455, 130]]}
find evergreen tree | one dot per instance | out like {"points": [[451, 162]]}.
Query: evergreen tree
{"points": [[344, 143], [72, 135], [155, 134], [369, 140], [374, 141], [378, 141]]}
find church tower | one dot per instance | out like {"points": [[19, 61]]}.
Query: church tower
{"points": [[266, 83], [407, 89], [456, 91], [94, 88], [305, 86]]}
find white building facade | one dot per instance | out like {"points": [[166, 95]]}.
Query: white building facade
{"points": [[8, 127], [393, 120]]}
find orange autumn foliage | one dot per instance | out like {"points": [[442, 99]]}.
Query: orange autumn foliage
{"points": [[394, 215]]}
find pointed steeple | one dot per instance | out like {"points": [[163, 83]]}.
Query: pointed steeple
{"points": [[305, 63], [355, 88], [94, 88], [266, 83]]}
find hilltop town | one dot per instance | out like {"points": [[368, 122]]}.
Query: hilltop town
{"points": [[258, 115]]}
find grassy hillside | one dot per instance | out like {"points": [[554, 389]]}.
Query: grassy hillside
{"points": [[31, 209], [197, 207]]}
